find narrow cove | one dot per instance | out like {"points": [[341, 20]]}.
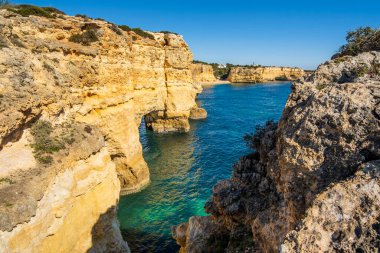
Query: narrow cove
{"points": [[184, 167]]}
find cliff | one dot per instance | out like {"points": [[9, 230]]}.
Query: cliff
{"points": [[263, 74], [73, 92], [313, 183], [202, 73]]}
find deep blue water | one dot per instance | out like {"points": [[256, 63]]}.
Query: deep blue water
{"points": [[184, 167]]}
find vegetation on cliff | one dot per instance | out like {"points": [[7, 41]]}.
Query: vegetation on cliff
{"points": [[49, 140], [363, 39]]}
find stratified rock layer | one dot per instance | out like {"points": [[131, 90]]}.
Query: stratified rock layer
{"points": [[104, 89], [202, 73], [263, 74], [313, 183]]}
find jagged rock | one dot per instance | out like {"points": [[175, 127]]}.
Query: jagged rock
{"points": [[198, 113], [313, 182]]}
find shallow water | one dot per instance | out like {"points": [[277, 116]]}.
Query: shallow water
{"points": [[184, 167]]}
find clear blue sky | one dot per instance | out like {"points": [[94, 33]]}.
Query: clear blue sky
{"points": [[267, 32]]}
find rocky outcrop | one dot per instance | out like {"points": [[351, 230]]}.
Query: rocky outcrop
{"points": [[263, 74], [101, 86], [202, 73], [313, 183]]}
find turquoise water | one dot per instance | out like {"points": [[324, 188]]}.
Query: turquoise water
{"points": [[184, 167]]}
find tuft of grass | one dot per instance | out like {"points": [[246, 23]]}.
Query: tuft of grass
{"points": [[85, 38]]}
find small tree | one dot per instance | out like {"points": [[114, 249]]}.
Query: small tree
{"points": [[361, 40]]}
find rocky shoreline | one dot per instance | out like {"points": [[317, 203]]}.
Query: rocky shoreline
{"points": [[313, 183]]}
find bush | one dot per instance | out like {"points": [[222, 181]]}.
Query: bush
{"points": [[125, 28], [26, 10], [363, 39], [44, 144], [253, 140], [138, 31], [82, 16], [85, 38], [168, 32]]}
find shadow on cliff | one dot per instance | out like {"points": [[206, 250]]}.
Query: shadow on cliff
{"points": [[106, 236], [149, 242]]}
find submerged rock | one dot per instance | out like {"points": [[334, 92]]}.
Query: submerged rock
{"points": [[313, 184]]}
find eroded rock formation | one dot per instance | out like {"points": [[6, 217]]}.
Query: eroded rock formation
{"points": [[313, 183], [97, 90], [202, 73], [263, 74]]}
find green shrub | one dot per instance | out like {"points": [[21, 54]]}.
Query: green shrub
{"points": [[361, 40], [253, 140], [168, 32], [26, 10], [138, 31], [125, 28], [44, 143], [82, 16], [53, 10], [360, 70], [85, 38]]}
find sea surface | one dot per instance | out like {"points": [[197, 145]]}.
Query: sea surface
{"points": [[184, 167]]}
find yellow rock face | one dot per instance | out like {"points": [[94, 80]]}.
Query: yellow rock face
{"points": [[202, 73], [109, 85], [263, 74]]}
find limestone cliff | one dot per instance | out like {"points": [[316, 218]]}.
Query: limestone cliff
{"points": [[202, 73], [263, 74], [100, 81], [313, 183]]}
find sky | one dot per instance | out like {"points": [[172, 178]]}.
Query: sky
{"points": [[267, 32]]}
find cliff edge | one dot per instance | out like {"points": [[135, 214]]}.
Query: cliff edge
{"points": [[313, 183], [263, 74]]}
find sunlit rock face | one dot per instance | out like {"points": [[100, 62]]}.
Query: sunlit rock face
{"points": [[264, 74], [202, 73], [313, 183], [104, 89]]}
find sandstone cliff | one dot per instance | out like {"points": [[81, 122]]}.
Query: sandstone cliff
{"points": [[202, 73], [263, 74], [313, 183], [95, 82]]}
